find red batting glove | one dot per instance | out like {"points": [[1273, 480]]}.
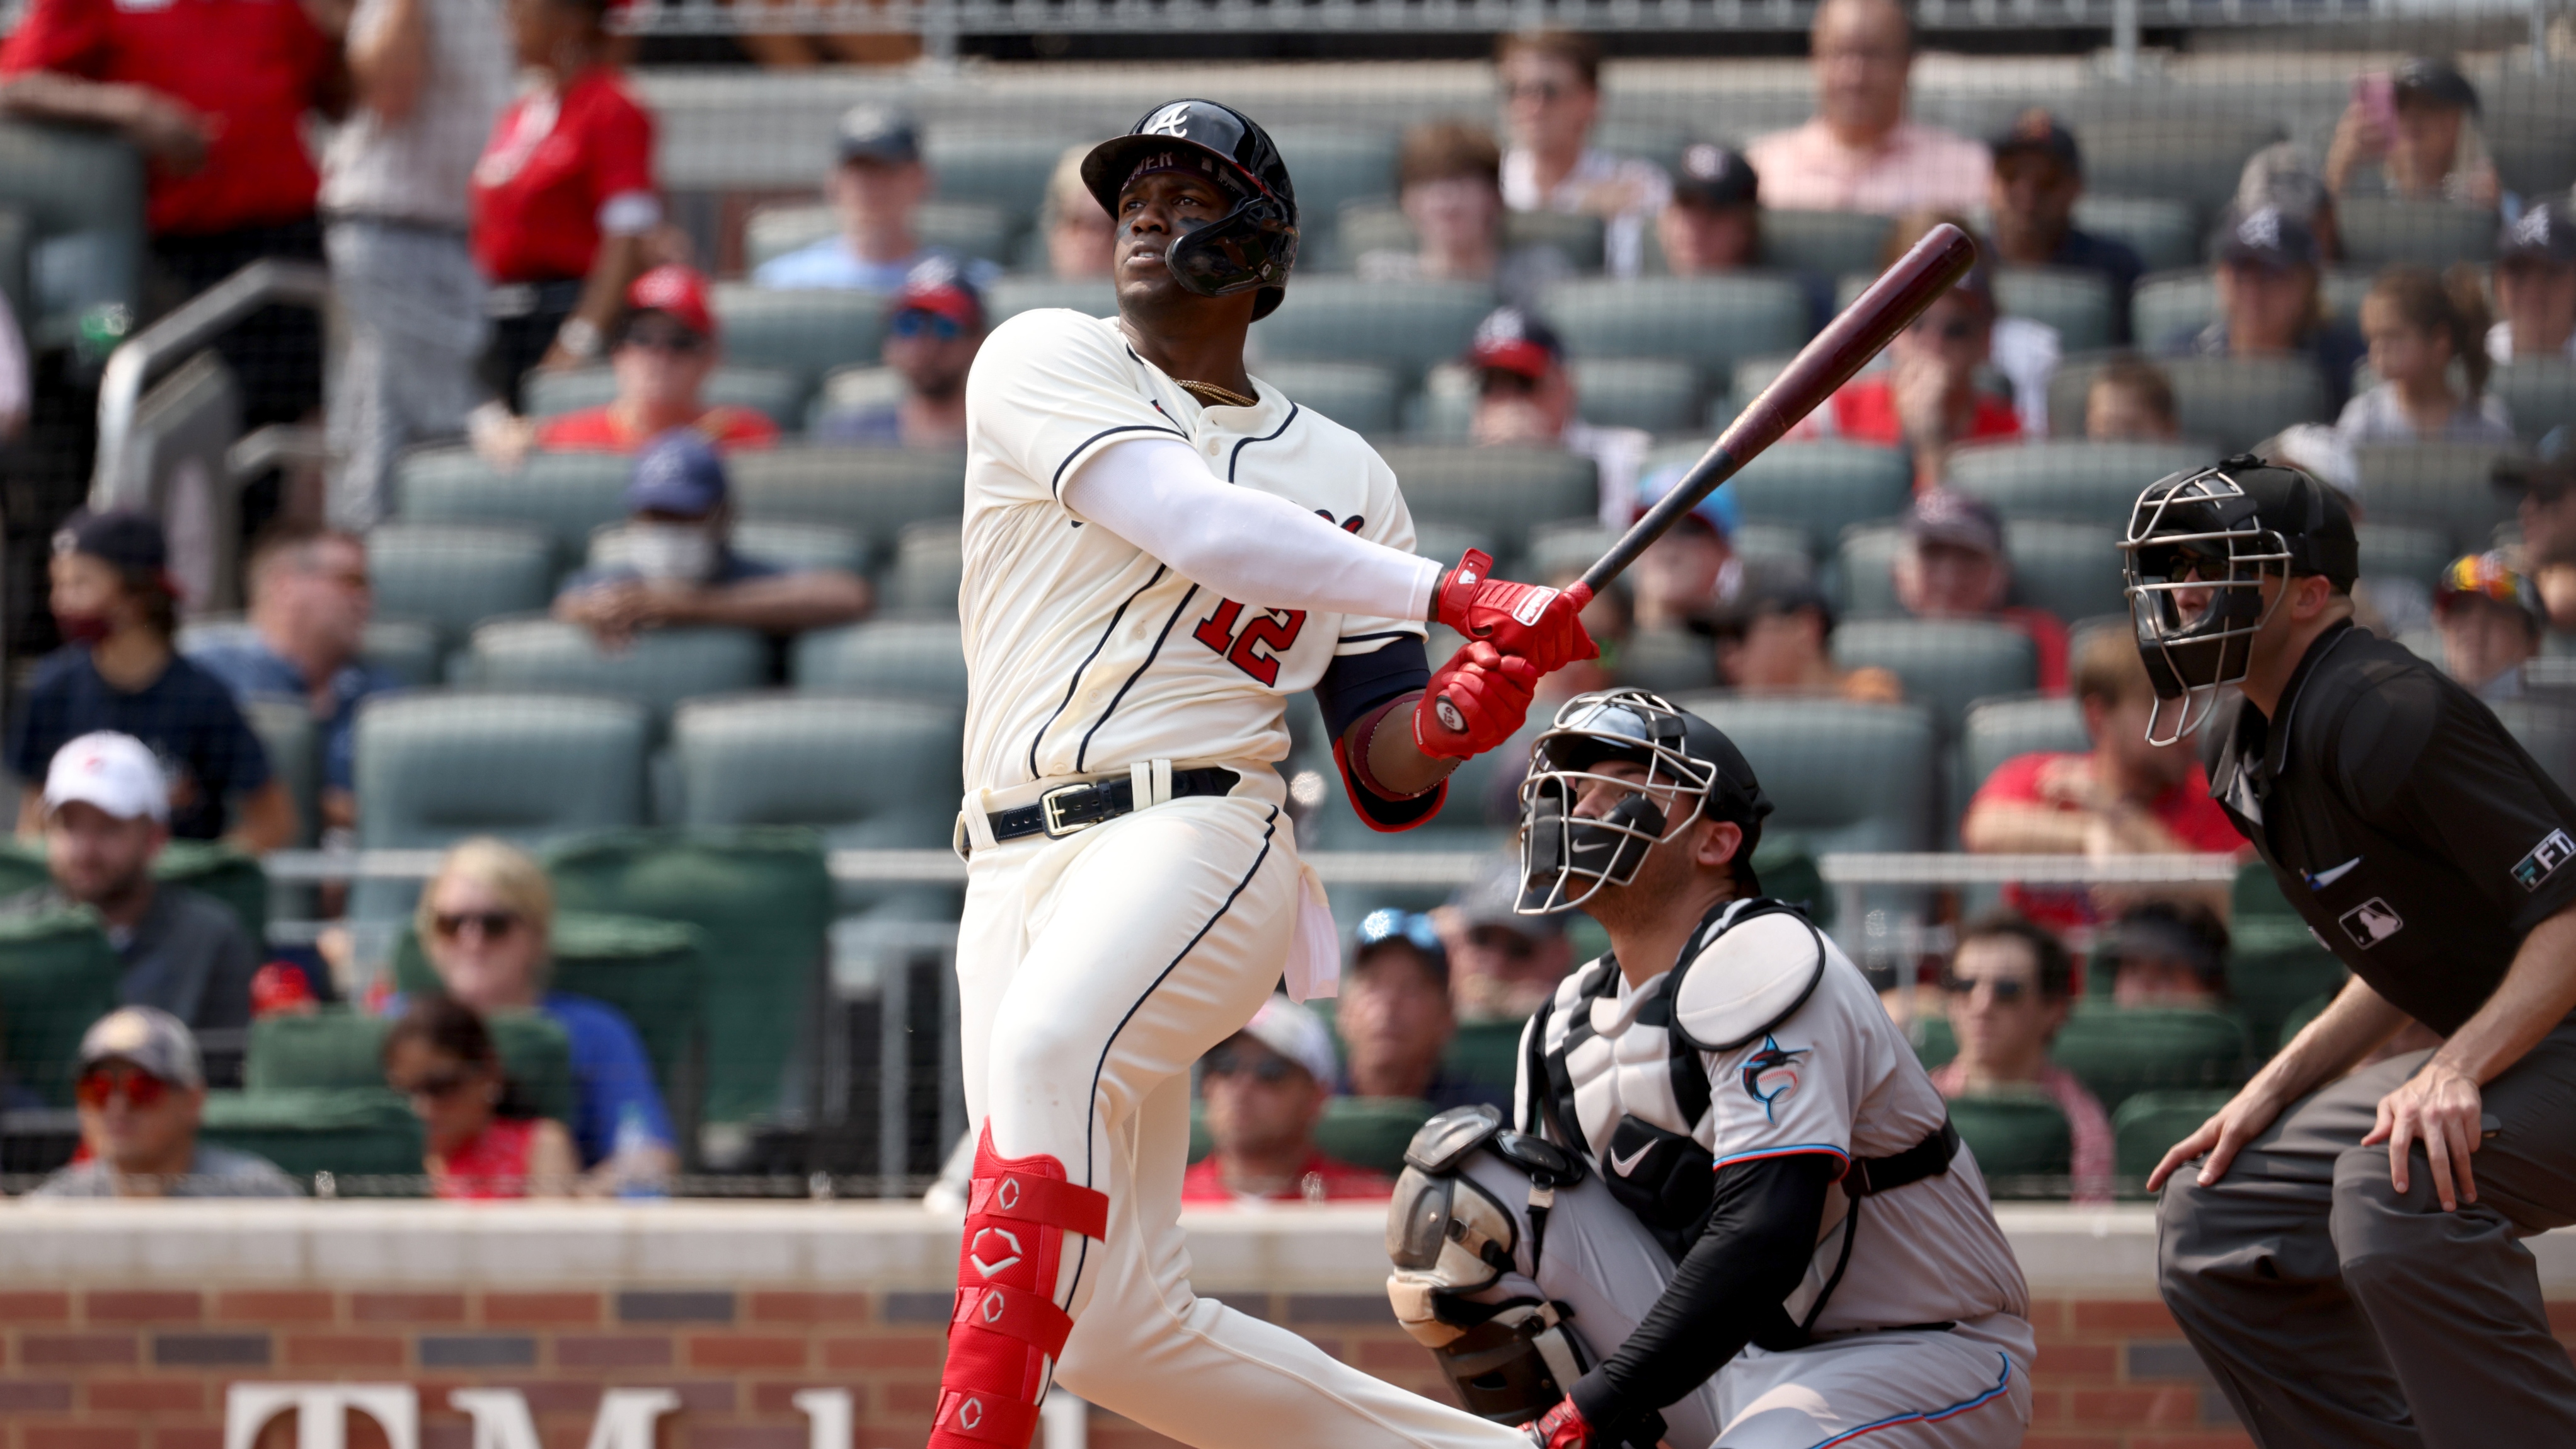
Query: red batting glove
{"points": [[1540, 625], [1474, 702], [1562, 1428]]}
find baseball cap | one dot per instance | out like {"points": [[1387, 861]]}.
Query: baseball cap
{"points": [[2544, 234], [676, 292], [117, 773], [678, 472], [1719, 510], [2036, 131], [148, 1038], [126, 539], [2281, 175], [2267, 236], [2488, 576], [1943, 515], [1511, 340], [1488, 900], [1714, 175], [877, 133], [940, 286], [1297, 1034], [1411, 927], [2427, 78]]}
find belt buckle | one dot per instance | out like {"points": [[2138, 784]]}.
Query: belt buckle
{"points": [[1058, 823]]}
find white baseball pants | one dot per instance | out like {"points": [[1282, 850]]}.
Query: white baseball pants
{"points": [[1092, 972]]}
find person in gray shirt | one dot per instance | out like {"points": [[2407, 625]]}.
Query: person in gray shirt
{"points": [[142, 1094]]}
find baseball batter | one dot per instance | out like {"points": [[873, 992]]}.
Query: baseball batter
{"points": [[1734, 1211], [1160, 549]]}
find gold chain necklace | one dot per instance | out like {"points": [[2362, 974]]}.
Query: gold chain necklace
{"points": [[1211, 395]]}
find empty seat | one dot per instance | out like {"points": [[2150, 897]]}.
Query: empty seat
{"points": [[2023, 1146], [1370, 1132], [2528, 136], [1861, 569], [352, 1133], [1407, 326], [1830, 242], [2119, 1053], [2380, 231], [452, 576], [1575, 237], [1818, 488], [2159, 229], [658, 669], [775, 393], [1504, 491], [804, 332], [57, 975], [1711, 323], [1447, 542], [801, 546], [875, 491], [1571, 546], [2275, 964], [81, 192], [1997, 730], [1845, 776], [2068, 479], [2191, 157], [434, 767], [2181, 302], [2077, 303], [1010, 296], [2397, 551], [2547, 730], [2148, 1125], [1007, 170], [1946, 664], [1668, 661], [1334, 168], [1658, 394], [2541, 394], [871, 773], [1361, 396], [406, 650], [565, 494], [928, 571], [2072, 570], [2234, 402], [2444, 486], [921, 658]]}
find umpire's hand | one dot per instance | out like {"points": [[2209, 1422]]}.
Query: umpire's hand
{"points": [[2439, 1106], [2222, 1136]]}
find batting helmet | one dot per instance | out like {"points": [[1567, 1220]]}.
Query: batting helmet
{"points": [[1692, 770], [1252, 246]]}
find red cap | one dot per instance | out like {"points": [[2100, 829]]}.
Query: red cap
{"points": [[677, 292], [1512, 340], [940, 286]]}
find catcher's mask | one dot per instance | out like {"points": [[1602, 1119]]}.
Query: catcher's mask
{"points": [[1690, 769]]}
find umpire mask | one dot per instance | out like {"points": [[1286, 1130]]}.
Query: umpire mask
{"points": [[1680, 767]]}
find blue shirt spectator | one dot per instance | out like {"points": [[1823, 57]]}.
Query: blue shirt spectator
{"points": [[876, 186], [611, 1075], [310, 600]]}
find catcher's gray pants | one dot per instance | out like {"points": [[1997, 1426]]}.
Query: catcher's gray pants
{"points": [[1968, 1388], [2335, 1310]]}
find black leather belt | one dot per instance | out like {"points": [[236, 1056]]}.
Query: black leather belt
{"points": [[1068, 808]]}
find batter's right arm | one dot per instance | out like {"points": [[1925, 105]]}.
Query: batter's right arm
{"points": [[2356, 1021]]}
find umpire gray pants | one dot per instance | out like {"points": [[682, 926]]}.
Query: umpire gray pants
{"points": [[2336, 1311], [412, 302]]}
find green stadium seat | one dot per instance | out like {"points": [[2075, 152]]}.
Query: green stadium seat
{"points": [[1371, 1132], [1845, 776], [871, 773], [2160, 229], [2534, 152], [1936, 1042], [2119, 1053], [2077, 303], [2188, 156], [348, 1132], [929, 570], [2446, 486], [921, 659], [1010, 296], [1658, 394], [763, 900], [802, 547], [1861, 567], [774, 231], [2380, 231], [804, 332], [1488, 1053], [2274, 963], [565, 494], [1818, 488], [1505, 491], [336, 1049], [2068, 479], [1374, 226], [1999, 729], [1711, 323], [1772, 545], [1448, 542], [2072, 570], [1007, 170], [1361, 396], [1829, 242], [2169, 303], [452, 576], [776, 392], [81, 192], [873, 490], [860, 387], [1334, 168], [286, 736], [1576, 238], [57, 975], [658, 669], [1364, 227], [2237, 402], [1668, 661], [2541, 394], [1406, 326], [2148, 1125], [406, 650], [1569, 547], [2022, 1142], [2399, 551], [436, 767], [1946, 664]]}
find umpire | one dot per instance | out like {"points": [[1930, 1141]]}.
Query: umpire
{"points": [[2346, 1256]]}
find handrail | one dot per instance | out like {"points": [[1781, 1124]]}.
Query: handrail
{"points": [[179, 334]]}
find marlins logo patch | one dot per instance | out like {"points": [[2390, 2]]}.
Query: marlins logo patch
{"points": [[1771, 1074], [2543, 862]]}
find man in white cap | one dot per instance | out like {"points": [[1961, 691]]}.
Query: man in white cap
{"points": [[142, 1093], [107, 816], [1265, 1088]]}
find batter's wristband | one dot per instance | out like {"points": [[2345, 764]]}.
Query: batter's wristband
{"points": [[1367, 735]]}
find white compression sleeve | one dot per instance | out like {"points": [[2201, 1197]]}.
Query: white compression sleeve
{"points": [[1158, 494]]}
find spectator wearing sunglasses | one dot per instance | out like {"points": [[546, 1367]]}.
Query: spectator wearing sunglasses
{"points": [[673, 562], [934, 327], [485, 1140], [483, 921], [1525, 398], [106, 810], [2170, 955], [2009, 988], [1502, 964], [1927, 400], [1394, 1016], [2490, 620], [1265, 1088], [142, 1093]]}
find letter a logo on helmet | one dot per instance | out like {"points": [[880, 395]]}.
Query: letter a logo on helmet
{"points": [[1171, 120]]}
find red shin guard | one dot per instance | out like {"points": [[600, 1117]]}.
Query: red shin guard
{"points": [[1006, 1325]]}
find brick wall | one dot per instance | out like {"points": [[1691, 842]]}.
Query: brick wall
{"points": [[146, 1367]]}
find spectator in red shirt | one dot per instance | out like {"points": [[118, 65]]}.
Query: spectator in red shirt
{"points": [[2009, 988], [1952, 565], [1927, 399], [666, 347], [1265, 1089], [214, 93], [2124, 797], [563, 197]]}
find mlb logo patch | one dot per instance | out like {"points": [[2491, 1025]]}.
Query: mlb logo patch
{"points": [[2371, 922], [2543, 862]]}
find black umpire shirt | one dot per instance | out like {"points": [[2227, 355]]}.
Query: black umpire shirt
{"points": [[2420, 842]]}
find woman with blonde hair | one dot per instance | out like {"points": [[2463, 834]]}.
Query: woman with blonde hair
{"points": [[485, 921]]}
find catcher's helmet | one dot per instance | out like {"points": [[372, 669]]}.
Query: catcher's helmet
{"points": [[1692, 769], [1253, 245], [2199, 546]]}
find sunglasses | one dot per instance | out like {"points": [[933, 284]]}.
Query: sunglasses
{"points": [[652, 337], [2007, 989], [933, 325], [1268, 1071], [495, 925], [1499, 382], [1546, 93], [140, 1088], [438, 1086]]}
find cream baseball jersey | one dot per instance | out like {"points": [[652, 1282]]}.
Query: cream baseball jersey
{"points": [[1084, 654]]}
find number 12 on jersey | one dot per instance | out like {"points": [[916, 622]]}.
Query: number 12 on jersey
{"points": [[1273, 629]]}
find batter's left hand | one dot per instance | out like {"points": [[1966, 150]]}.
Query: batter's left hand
{"points": [[1473, 703], [2439, 1106], [1564, 1427]]}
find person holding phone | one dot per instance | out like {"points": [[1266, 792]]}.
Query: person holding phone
{"points": [[2412, 133]]}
